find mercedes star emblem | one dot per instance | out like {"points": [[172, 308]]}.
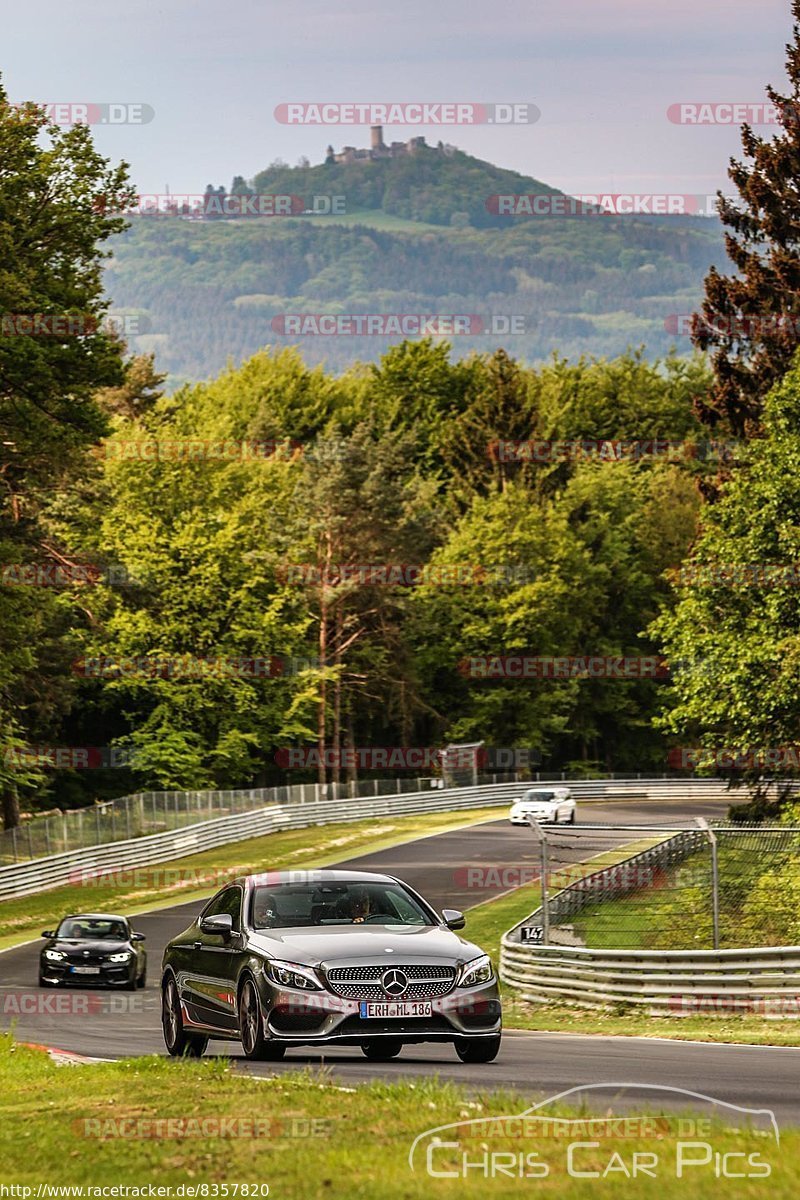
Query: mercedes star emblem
{"points": [[394, 982]]}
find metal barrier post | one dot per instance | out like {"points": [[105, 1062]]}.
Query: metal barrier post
{"points": [[712, 837], [544, 868]]}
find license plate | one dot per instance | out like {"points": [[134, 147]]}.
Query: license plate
{"points": [[85, 970], [396, 1008]]}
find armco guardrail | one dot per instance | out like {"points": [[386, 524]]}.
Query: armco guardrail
{"points": [[146, 813], [22, 879], [766, 979], [675, 981]]}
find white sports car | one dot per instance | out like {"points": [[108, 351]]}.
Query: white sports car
{"points": [[553, 806]]}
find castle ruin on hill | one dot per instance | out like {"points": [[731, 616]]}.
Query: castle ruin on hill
{"points": [[378, 149]]}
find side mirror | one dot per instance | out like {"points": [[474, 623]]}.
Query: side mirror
{"points": [[137, 937], [221, 924], [48, 933], [453, 919]]}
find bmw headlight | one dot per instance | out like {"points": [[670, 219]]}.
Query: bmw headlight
{"points": [[54, 955], [293, 975], [480, 970], [123, 956]]}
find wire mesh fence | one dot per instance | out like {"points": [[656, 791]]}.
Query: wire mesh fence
{"points": [[157, 812], [703, 887]]}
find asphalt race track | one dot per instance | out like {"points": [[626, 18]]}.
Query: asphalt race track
{"points": [[120, 1024]]}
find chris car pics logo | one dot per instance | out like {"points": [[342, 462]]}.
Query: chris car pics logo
{"points": [[689, 1136]]}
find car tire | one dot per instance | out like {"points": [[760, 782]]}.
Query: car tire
{"points": [[255, 1044], [179, 1043], [478, 1050], [571, 818], [381, 1050], [142, 980]]}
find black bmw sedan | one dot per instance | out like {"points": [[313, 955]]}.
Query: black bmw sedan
{"points": [[327, 957], [93, 948]]}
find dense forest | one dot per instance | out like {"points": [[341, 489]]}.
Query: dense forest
{"points": [[202, 294], [362, 538]]}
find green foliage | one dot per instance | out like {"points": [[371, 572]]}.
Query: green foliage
{"points": [[736, 624], [749, 319], [51, 233], [592, 286], [391, 466]]}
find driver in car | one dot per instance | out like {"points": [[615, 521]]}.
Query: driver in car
{"points": [[358, 906], [364, 905], [265, 911]]}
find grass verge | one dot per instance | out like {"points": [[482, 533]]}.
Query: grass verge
{"points": [[200, 875], [194, 1124]]}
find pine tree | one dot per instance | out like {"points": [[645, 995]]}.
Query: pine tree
{"points": [[751, 322]]}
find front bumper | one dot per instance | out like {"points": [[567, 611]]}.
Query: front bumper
{"points": [[543, 818], [313, 1017], [110, 975]]}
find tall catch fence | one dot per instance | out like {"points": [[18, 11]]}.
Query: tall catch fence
{"points": [[637, 887]]}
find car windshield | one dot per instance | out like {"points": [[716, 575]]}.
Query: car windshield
{"points": [[539, 797], [93, 928], [289, 905]]}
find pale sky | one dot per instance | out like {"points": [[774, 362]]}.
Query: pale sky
{"points": [[602, 72]]}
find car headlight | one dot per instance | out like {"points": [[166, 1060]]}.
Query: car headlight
{"points": [[123, 956], [54, 955], [480, 970], [293, 975]]}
